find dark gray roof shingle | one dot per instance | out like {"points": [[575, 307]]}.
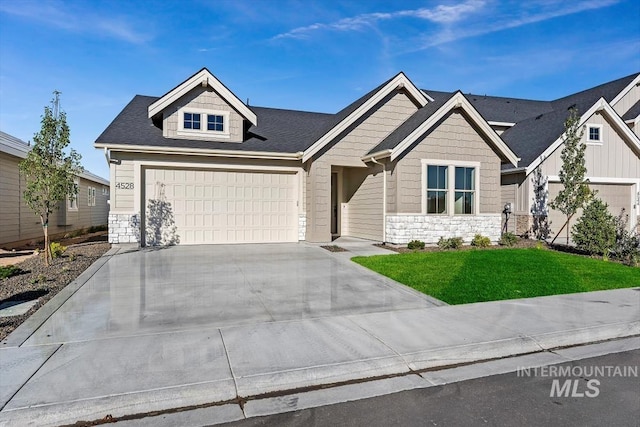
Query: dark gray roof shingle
{"points": [[633, 112]]}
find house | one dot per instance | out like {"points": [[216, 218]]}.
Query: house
{"points": [[19, 224], [610, 114], [197, 165]]}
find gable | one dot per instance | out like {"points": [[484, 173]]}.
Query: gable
{"points": [[627, 100], [204, 101], [613, 158]]}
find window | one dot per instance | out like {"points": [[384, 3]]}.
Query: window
{"points": [[105, 190], [91, 196], [215, 122], [594, 133], [191, 121], [72, 199], [450, 187], [465, 190], [437, 189]]}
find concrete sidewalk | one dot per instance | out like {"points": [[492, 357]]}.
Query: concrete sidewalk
{"points": [[57, 384]]}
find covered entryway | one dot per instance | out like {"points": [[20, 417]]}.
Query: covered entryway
{"points": [[226, 206], [617, 196]]}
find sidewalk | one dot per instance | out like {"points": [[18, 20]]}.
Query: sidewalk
{"points": [[233, 364]]}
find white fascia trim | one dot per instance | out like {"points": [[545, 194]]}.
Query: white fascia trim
{"points": [[204, 77], [13, 150], [377, 155], [202, 152], [512, 171], [503, 124], [430, 99], [623, 92], [600, 105], [457, 101], [399, 81]]}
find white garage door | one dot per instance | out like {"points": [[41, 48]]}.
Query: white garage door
{"points": [[617, 196], [221, 206]]}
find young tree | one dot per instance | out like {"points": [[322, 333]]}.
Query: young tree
{"points": [[595, 231], [575, 193], [48, 171], [539, 209]]}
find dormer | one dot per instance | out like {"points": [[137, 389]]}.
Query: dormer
{"points": [[202, 108]]}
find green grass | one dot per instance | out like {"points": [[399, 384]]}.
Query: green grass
{"points": [[462, 277]]}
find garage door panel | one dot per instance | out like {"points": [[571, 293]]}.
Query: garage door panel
{"points": [[224, 206]]}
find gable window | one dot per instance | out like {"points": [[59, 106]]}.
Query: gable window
{"points": [[215, 122], [192, 121], [465, 190], [91, 196], [437, 189], [594, 133], [450, 187]]}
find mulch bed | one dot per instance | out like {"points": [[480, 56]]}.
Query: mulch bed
{"points": [[334, 248], [521, 243], [43, 283]]}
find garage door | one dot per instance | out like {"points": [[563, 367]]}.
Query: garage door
{"points": [[222, 206], [617, 196]]}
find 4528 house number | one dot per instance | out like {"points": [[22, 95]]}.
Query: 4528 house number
{"points": [[124, 185]]}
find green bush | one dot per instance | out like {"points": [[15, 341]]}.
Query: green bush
{"points": [[627, 246], [415, 244], [9, 271], [508, 239], [481, 241], [57, 249], [450, 243], [595, 230], [96, 228]]}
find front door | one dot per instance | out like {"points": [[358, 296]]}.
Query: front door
{"points": [[334, 204]]}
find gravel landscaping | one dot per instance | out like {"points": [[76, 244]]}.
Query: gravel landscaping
{"points": [[42, 283]]}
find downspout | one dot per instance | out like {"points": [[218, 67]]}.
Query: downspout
{"points": [[384, 197], [106, 156]]}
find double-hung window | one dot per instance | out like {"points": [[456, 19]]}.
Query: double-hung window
{"points": [[202, 122], [192, 121], [91, 196], [72, 199], [451, 187], [215, 122]]}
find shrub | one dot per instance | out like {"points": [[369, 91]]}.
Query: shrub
{"points": [[508, 239], [415, 244], [480, 241], [627, 245], [595, 230], [450, 243], [9, 271], [57, 249]]}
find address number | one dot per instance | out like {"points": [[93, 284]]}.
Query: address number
{"points": [[124, 185]]}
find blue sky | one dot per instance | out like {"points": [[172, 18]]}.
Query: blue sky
{"points": [[316, 56]]}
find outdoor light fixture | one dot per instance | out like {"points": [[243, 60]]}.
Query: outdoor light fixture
{"points": [[507, 213]]}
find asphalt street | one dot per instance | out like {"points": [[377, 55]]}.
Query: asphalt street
{"points": [[501, 400]]}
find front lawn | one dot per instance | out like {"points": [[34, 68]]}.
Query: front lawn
{"points": [[460, 277]]}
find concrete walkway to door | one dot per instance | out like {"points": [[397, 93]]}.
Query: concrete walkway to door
{"points": [[155, 330]]}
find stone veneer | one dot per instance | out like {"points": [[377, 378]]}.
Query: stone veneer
{"points": [[401, 229], [302, 226], [124, 228]]}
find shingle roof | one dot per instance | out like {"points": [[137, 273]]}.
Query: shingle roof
{"points": [[281, 131], [633, 112]]}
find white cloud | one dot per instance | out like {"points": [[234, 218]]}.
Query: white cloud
{"points": [[441, 14], [56, 14]]}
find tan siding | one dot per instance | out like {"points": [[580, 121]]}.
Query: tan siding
{"points": [[454, 139], [122, 200], [627, 101], [200, 98], [613, 158], [9, 199], [365, 203], [347, 151]]}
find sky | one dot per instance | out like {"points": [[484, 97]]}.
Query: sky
{"points": [[303, 55]]}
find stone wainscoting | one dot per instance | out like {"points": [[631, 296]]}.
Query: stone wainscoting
{"points": [[401, 229], [124, 228], [302, 226]]}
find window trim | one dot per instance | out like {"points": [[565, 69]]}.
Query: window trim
{"points": [[593, 141], [451, 164], [74, 197], [91, 196], [203, 131]]}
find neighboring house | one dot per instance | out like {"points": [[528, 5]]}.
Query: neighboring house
{"points": [[393, 166], [610, 114], [19, 224]]}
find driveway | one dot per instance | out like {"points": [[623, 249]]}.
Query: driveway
{"points": [[191, 287]]}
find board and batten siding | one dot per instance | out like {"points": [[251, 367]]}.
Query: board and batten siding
{"points": [[627, 101], [612, 158], [347, 151], [454, 139], [196, 100]]}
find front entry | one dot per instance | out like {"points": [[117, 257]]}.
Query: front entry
{"points": [[334, 205]]}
